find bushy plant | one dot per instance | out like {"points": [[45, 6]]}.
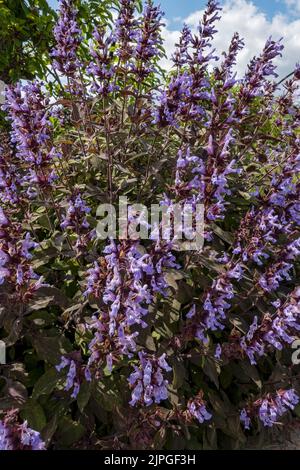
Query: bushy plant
{"points": [[130, 344]]}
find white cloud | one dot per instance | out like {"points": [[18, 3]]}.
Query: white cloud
{"points": [[170, 38], [294, 5], [254, 27], [177, 19]]}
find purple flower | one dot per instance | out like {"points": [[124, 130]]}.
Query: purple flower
{"points": [[16, 436], [109, 362], [75, 374], [126, 30], [218, 351], [15, 267], [197, 409], [26, 245], [181, 52], [274, 217], [67, 35], [93, 278], [76, 214], [163, 363], [147, 381], [30, 115], [101, 66], [4, 272], [276, 331], [215, 305], [10, 176], [275, 274], [31, 438], [3, 219], [259, 70], [128, 281], [236, 272], [71, 376], [270, 408], [5, 441], [297, 72], [245, 419], [148, 40]]}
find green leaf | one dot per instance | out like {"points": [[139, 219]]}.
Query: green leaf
{"points": [[212, 370], [13, 395], [46, 384], [49, 295], [17, 371], [40, 304], [51, 348], [251, 372], [226, 377], [173, 395], [226, 236], [217, 404], [238, 322], [179, 374], [297, 411], [84, 395], [34, 414], [50, 429], [69, 432], [107, 395], [42, 318]]}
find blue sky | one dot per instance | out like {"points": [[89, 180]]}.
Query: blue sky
{"points": [[182, 8]]}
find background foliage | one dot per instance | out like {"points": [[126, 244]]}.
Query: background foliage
{"points": [[109, 122]]}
